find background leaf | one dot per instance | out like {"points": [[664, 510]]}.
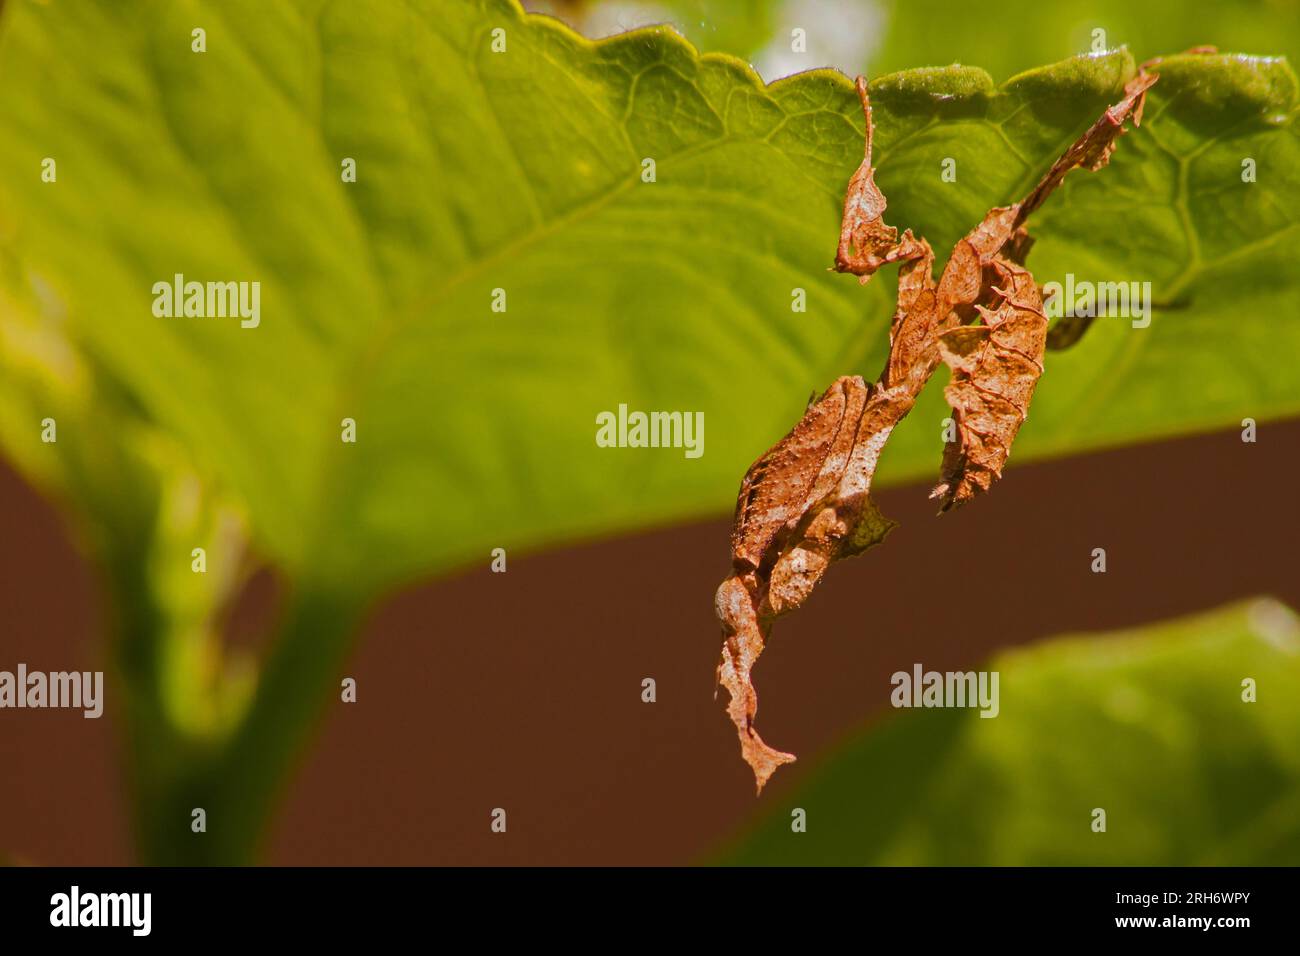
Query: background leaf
{"points": [[1016, 35], [891, 35], [521, 171], [1147, 724]]}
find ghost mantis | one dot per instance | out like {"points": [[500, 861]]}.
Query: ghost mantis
{"points": [[806, 502]]}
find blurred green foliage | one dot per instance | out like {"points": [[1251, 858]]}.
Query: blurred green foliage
{"points": [[1008, 37], [1003, 38], [1148, 725]]}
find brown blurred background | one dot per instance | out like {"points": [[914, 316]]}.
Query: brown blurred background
{"points": [[523, 690]]}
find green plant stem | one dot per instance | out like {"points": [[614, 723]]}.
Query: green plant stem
{"points": [[156, 756], [237, 781]]}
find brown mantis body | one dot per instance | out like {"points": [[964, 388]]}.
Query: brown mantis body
{"points": [[806, 503]]}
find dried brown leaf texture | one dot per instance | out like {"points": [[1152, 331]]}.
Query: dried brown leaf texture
{"points": [[995, 365], [807, 503], [866, 242]]}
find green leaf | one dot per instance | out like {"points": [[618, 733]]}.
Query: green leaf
{"points": [[521, 170], [1149, 725]]}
